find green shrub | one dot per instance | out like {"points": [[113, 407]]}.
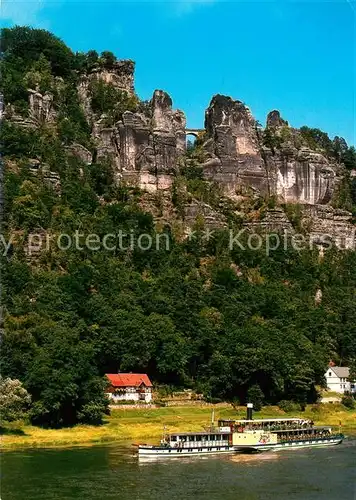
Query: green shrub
{"points": [[294, 213], [17, 142], [107, 99], [289, 406], [165, 391], [92, 413], [107, 59], [348, 401], [14, 399], [192, 172], [212, 400], [159, 403]]}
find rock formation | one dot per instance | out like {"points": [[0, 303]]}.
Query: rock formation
{"points": [[80, 152], [274, 120], [41, 106], [120, 76], [326, 225], [197, 209], [304, 177], [275, 220], [235, 156], [51, 179], [146, 148], [239, 158]]}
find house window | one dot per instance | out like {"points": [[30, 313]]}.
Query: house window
{"points": [[329, 374]]}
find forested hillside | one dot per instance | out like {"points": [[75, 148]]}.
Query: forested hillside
{"points": [[229, 322]]}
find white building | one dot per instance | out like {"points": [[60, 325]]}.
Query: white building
{"points": [[337, 379], [129, 387]]}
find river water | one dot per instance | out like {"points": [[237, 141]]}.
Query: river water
{"points": [[111, 472]]}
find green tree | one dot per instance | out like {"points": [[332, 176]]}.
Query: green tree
{"points": [[92, 59], [63, 381], [107, 59], [28, 44], [40, 76], [14, 399], [255, 396]]}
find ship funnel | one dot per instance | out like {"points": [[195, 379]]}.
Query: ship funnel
{"points": [[249, 411]]}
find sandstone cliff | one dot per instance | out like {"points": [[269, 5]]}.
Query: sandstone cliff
{"points": [[146, 146]]}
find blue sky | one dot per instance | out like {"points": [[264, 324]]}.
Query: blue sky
{"points": [[298, 57]]}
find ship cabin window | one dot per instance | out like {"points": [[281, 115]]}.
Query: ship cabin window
{"points": [[173, 438]]}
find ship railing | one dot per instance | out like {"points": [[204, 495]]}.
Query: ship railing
{"points": [[198, 444], [253, 427], [300, 436], [309, 437]]}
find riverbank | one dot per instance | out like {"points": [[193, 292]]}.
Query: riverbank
{"points": [[128, 426]]}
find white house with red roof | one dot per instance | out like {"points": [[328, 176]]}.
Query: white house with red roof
{"points": [[129, 387]]}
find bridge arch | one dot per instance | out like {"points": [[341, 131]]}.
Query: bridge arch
{"points": [[194, 131], [191, 135]]}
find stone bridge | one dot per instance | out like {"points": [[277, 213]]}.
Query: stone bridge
{"points": [[194, 131]]}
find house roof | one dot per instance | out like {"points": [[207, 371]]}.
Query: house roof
{"points": [[128, 379], [341, 371]]}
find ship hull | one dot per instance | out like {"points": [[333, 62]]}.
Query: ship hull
{"points": [[290, 445], [161, 451]]}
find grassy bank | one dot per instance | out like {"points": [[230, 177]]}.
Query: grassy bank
{"points": [[130, 425]]}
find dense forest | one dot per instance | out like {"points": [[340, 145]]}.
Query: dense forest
{"points": [[230, 323]]}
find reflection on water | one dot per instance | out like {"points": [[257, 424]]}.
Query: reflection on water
{"points": [[111, 472], [254, 457], [233, 457]]}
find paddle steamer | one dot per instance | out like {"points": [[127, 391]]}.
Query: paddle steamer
{"points": [[248, 435]]}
